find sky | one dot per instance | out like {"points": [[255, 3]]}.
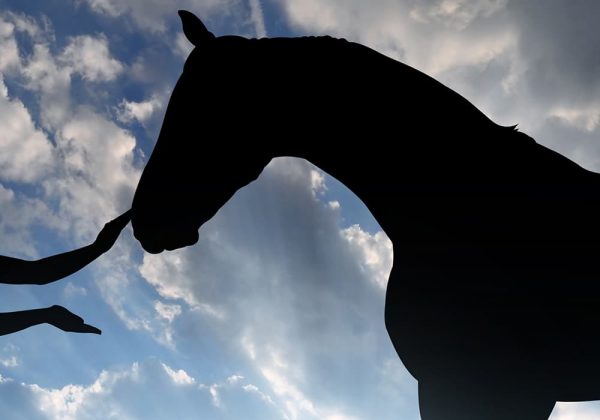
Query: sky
{"points": [[277, 312]]}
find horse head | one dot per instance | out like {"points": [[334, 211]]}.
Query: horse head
{"points": [[168, 207]]}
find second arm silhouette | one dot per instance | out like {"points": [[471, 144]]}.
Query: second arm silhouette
{"points": [[51, 269]]}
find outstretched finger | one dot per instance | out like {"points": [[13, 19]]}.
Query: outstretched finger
{"points": [[85, 328]]}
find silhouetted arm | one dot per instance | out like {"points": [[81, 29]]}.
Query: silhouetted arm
{"points": [[56, 315], [56, 267]]}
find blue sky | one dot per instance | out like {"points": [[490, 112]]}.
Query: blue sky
{"points": [[277, 312]]}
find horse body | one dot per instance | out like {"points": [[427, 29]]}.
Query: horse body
{"points": [[493, 298]]}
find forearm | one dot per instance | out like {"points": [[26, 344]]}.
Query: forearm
{"points": [[55, 267], [11, 322], [49, 269]]}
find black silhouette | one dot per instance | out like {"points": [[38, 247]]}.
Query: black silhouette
{"points": [[55, 315], [493, 303], [50, 269]]}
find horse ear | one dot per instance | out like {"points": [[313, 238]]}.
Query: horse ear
{"points": [[194, 29]]}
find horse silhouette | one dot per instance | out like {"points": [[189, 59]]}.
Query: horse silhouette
{"points": [[493, 300]]}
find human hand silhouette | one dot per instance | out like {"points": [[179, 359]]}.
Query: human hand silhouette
{"points": [[110, 232], [66, 320]]}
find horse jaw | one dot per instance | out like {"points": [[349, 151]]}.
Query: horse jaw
{"points": [[164, 214], [159, 229]]}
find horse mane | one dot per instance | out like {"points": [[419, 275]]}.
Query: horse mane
{"points": [[341, 44], [316, 47]]}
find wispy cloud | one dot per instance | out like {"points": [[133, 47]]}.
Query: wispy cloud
{"points": [[89, 57], [256, 15], [150, 389]]}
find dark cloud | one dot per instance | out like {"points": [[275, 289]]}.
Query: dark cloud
{"points": [[560, 42]]}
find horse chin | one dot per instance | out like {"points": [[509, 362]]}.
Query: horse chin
{"points": [[181, 241], [152, 248]]}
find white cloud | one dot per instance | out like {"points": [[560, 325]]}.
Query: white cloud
{"points": [[456, 13], [30, 26], [161, 272], [452, 53], [25, 153], [52, 81], [19, 215], [166, 311], [143, 390], [256, 16], [97, 171], [10, 362], [214, 393], [10, 24], [69, 402], [88, 173], [183, 47], [167, 314], [16, 22], [234, 379], [576, 411], [108, 7], [132, 301], [156, 16], [8, 357], [587, 118], [334, 204], [179, 377], [253, 388], [9, 53], [296, 403], [89, 56], [139, 111], [374, 252], [411, 32], [117, 288], [151, 15], [317, 182]]}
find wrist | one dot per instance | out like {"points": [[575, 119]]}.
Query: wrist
{"points": [[97, 248], [43, 315]]}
